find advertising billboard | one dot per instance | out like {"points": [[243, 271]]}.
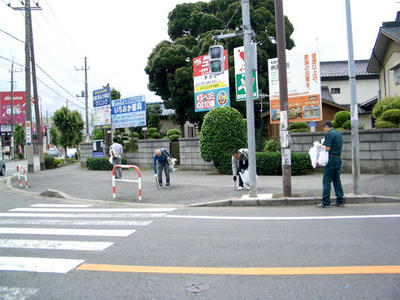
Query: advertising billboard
{"points": [[304, 88], [210, 91], [240, 78], [102, 108], [18, 104], [129, 112]]}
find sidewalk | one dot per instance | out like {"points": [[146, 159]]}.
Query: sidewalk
{"points": [[191, 187]]}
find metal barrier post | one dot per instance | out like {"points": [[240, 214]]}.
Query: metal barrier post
{"points": [[139, 180], [19, 176]]}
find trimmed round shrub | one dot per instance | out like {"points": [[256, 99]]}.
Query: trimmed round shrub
{"points": [[100, 164], [272, 146], [385, 124], [174, 137], [391, 115], [135, 134], [340, 129], [347, 125], [151, 130], [335, 124], [156, 135], [384, 105], [341, 117], [223, 130], [49, 161], [173, 132], [298, 125]]}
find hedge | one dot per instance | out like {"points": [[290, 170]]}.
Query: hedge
{"points": [[272, 146], [270, 163], [384, 105], [298, 125], [391, 115], [341, 117], [51, 162], [102, 164]]}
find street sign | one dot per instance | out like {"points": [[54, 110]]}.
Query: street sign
{"points": [[240, 79], [210, 91], [128, 112], [102, 108], [304, 88], [28, 129]]}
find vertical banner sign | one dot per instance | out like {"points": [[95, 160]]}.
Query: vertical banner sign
{"points": [[102, 108], [304, 88], [128, 112], [28, 129], [18, 105], [210, 91], [240, 79]]}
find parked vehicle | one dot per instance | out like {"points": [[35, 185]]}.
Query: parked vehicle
{"points": [[2, 167], [54, 152], [71, 152]]}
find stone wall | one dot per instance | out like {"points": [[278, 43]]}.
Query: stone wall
{"points": [[379, 149], [190, 155], [144, 156], [86, 151]]}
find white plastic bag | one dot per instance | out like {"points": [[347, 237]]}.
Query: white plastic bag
{"points": [[323, 157], [245, 177], [314, 151]]}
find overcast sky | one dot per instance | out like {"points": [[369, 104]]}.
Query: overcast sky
{"points": [[117, 37]]}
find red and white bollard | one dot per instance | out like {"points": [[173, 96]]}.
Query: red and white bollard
{"points": [[139, 180], [19, 168]]}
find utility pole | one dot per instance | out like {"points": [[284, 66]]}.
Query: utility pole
{"points": [[86, 98], [12, 148], [28, 110], [283, 98], [249, 97], [36, 99], [355, 143]]}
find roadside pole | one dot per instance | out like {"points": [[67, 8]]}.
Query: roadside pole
{"points": [[355, 143], [283, 98], [12, 111], [249, 97]]}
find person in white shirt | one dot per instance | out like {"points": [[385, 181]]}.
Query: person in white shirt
{"points": [[116, 154]]}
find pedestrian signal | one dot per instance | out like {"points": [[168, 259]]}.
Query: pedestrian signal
{"points": [[217, 59]]}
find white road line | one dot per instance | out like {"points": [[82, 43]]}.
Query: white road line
{"points": [[61, 205], [20, 293], [54, 245], [81, 215], [281, 218], [66, 231], [36, 264], [94, 210], [75, 222]]}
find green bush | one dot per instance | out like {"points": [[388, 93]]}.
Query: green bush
{"points": [[272, 146], [49, 161], [156, 135], [20, 155], [341, 117], [347, 125], [270, 163], [151, 130], [385, 124], [391, 115], [298, 125], [135, 135], [384, 105], [223, 130], [174, 137], [299, 130], [340, 129], [124, 161], [99, 164], [335, 124], [173, 131]]}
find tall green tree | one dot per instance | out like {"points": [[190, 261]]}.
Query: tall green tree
{"points": [[69, 126], [190, 28], [19, 136]]}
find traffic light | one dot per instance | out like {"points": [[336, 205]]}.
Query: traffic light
{"points": [[217, 59]]}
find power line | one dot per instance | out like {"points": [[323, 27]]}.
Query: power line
{"points": [[14, 37]]}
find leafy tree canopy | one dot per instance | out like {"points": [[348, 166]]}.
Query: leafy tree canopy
{"points": [[191, 27]]}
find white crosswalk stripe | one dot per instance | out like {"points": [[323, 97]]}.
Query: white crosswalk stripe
{"points": [[20, 293], [50, 222]]}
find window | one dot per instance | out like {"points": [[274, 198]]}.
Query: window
{"points": [[396, 75], [335, 90]]}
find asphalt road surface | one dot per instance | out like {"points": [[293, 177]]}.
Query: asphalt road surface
{"points": [[53, 249]]}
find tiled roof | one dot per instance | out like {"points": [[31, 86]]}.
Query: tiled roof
{"points": [[326, 94], [392, 30], [331, 69]]}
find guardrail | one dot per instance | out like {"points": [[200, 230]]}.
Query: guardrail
{"points": [[139, 180], [19, 167]]}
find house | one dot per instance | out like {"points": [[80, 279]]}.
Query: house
{"points": [[335, 77], [385, 59]]}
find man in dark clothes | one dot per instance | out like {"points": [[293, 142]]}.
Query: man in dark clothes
{"points": [[332, 144]]}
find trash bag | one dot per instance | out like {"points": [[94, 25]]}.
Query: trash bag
{"points": [[313, 152], [245, 177], [323, 157]]}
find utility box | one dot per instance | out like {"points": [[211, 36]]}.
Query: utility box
{"points": [[98, 150]]}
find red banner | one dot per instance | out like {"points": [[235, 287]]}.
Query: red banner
{"points": [[19, 107]]}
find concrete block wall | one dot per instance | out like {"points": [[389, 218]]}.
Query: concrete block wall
{"points": [[86, 151], [379, 149], [190, 155], [144, 156]]}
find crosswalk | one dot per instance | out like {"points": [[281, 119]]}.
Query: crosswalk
{"points": [[66, 227]]}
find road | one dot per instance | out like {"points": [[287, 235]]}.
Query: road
{"points": [[92, 250], [11, 166]]}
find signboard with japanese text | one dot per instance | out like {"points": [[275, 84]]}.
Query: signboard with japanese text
{"points": [[18, 104], [240, 78], [102, 108], [128, 112], [304, 88], [210, 91]]}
